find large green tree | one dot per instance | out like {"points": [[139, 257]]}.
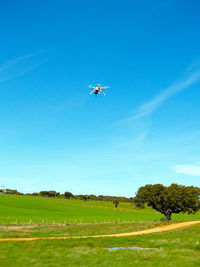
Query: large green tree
{"points": [[169, 199]]}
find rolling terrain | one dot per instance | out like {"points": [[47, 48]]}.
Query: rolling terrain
{"points": [[27, 209]]}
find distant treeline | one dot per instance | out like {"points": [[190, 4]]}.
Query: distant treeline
{"points": [[69, 195]]}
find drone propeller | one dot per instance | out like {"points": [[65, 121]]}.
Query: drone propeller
{"points": [[103, 93], [92, 92]]}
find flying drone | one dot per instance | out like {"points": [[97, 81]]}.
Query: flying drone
{"points": [[98, 89]]}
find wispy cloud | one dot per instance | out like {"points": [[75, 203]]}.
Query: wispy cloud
{"points": [[188, 169], [148, 108], [19, 66]]}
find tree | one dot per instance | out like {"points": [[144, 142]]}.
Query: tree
{"points": [[10, 191], [35, 194], [49, 193], [44, 193], [101, 197], [53, 193], [167, 200], [93, 197], [68, 195], [116, 202], [85, 197]]}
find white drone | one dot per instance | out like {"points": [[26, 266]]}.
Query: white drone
{"points": [[98, 89]]}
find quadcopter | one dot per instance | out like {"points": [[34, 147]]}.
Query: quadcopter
{"points": [[98, 89]]}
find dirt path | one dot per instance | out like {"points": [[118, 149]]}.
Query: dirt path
{"points": [[143, 232]]}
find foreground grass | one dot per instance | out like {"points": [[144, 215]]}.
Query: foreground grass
{"points": [[27, 209], [177, 248]]}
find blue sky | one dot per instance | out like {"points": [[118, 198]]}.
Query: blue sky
{"points": [[54, 135]]}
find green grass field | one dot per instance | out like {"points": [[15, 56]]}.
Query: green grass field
{"points": [[25, 216], [27, 209], [175, 248]]}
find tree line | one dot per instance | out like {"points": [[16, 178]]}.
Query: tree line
{"points": [[69, 195]]}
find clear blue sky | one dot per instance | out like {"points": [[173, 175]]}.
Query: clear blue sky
{"points": [[54, 135]]}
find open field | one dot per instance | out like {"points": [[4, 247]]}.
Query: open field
{"points": [[27, 209], [175, 248], [151, 229], [24, 216], [55, 230]]}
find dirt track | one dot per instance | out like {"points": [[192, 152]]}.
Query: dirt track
{"points": [[143, 232]]}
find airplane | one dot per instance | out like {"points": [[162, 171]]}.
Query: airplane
{"points": [[98, 89]]}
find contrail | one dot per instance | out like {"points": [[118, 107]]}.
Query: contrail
{"points": [[21, 65], [148, 108]]}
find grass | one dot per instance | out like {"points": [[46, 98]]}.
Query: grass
{"points": [[26, 209], [73, 230], [25, 216], [176, 248]]}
